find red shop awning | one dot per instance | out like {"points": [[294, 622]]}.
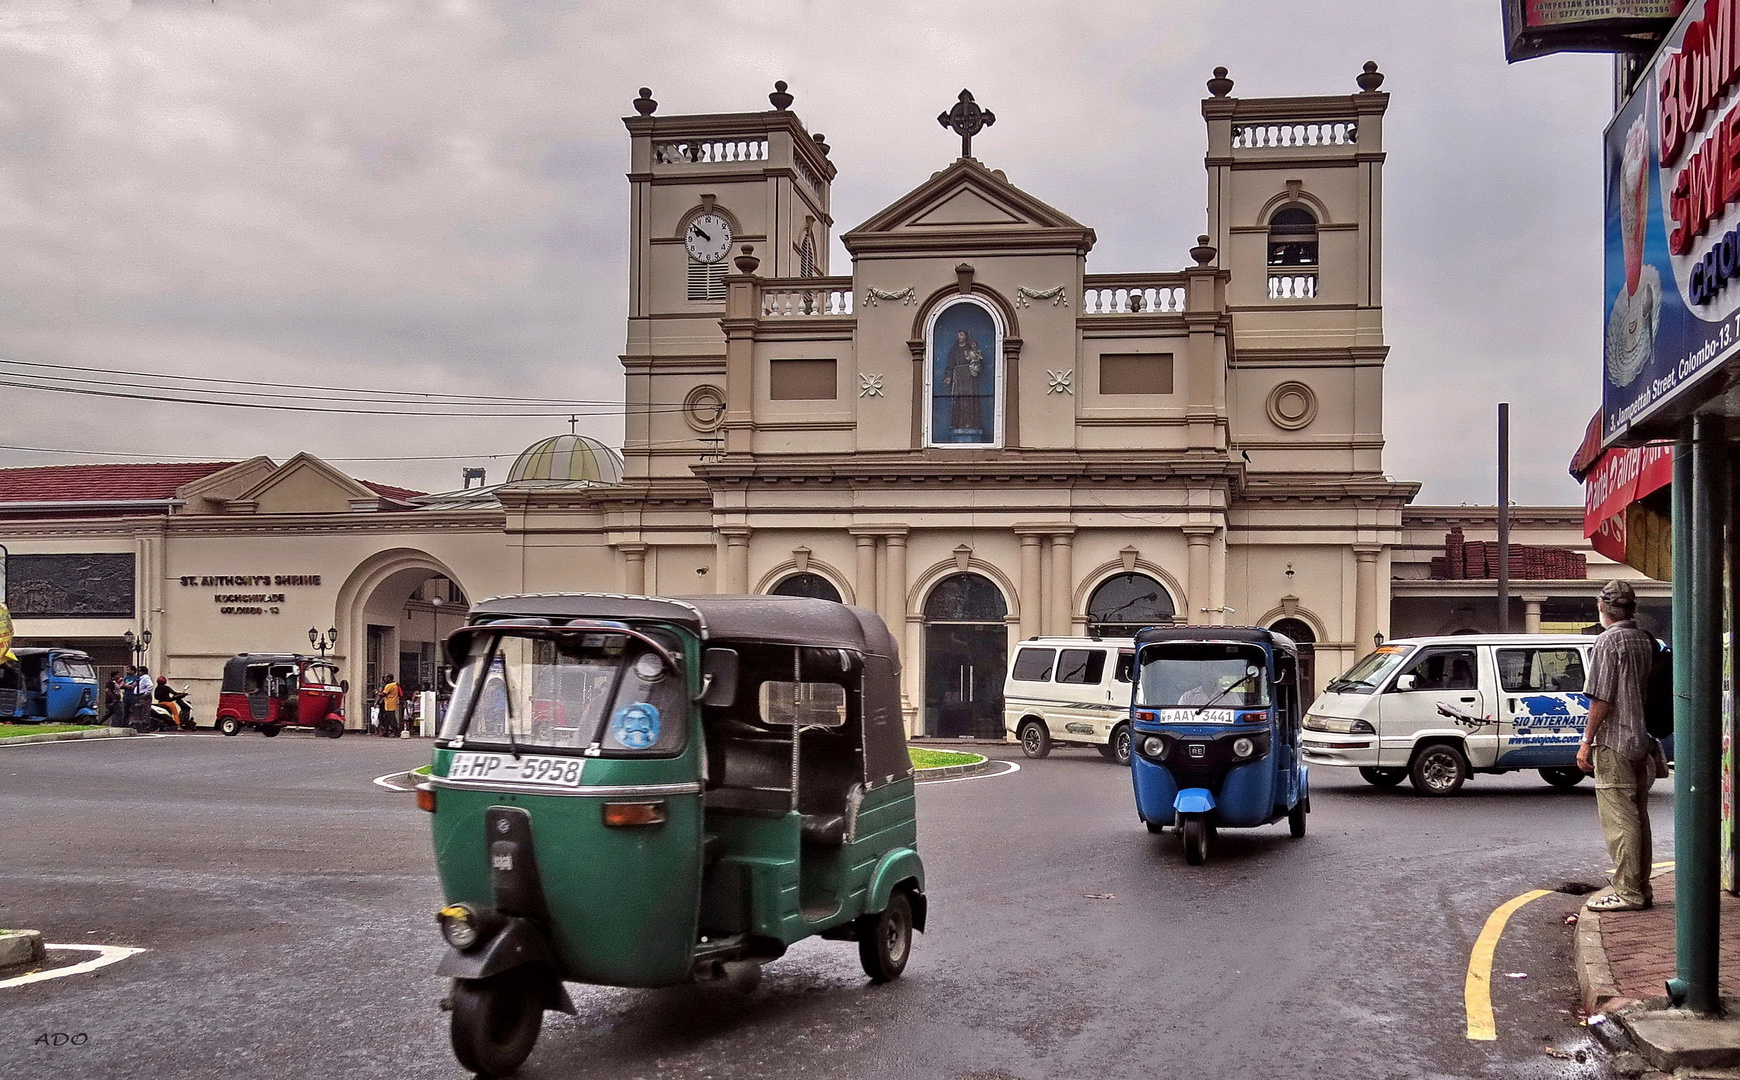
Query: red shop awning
{"points": [[1621, 476]]}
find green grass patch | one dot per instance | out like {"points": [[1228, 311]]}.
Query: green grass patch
{"points": [[12, 731], [935, 759]]}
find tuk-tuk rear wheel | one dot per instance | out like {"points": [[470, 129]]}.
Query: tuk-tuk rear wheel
{"points": [[1195, 841], [269, 730], [495, 1023], [1296, 820], [885, 939], [229, 725]]}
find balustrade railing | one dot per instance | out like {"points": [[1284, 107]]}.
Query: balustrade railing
{"points": [[1131, 294], [1330, 133], [1292, 286], [708, 151], [782, 297]]}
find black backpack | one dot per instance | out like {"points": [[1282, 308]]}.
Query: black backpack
{"points": [[1658, 699]]}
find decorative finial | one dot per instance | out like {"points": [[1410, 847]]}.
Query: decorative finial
{"points": [[1203, 252], [1220, 85], [1371, 78], [644, 104], [781, 100], [747, 262], [821, 143], [967, 119]]}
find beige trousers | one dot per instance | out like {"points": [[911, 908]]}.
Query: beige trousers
{"points": [[1622, 796]]}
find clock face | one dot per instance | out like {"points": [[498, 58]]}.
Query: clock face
{"points": [[708, 238]]}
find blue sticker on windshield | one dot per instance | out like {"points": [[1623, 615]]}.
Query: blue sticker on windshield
{"points": [[636, 726]]}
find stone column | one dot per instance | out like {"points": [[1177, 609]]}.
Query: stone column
{"points": [[879, 602], [1031, 601], [1532, 613], [1196, 581], [633, 568], [1062, 580], [736, 559], [895, 585], [1365, 598], [864, 585]]}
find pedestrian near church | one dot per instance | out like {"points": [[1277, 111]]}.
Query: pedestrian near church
{"points": [[389, 697], [1618, 748]]}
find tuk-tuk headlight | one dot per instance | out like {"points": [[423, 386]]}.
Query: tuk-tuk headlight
{"points": [[1154, 746], [458, 925], [1243, 748]]}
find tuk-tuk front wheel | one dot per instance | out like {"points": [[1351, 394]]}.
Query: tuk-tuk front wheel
{"points": [[269, 730], [885, 939], [1296, 820], [1035, 739], [495, 1023], [1195, 841], [229, 725]]}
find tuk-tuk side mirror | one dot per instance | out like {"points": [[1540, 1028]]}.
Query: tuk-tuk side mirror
{"points": [[344, 686], [1405, 682], [719, 678]]}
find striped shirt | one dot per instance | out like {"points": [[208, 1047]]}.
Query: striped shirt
{"points": [[1619, 675]]}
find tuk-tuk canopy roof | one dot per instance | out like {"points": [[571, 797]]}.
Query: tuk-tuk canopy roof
{"points": [[1256, 635], [788, 620]]}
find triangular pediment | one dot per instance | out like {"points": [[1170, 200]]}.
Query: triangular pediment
{"points": [[306, 485], [967, 199]]}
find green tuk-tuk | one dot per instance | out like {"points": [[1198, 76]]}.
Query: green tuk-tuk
{"points": [[640, 791]]}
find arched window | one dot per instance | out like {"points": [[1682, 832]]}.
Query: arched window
{"points": [[807, 257], [812, 585], [969, 598], [964, 376], [1293, 237], [1303, 636], [1125, 603]]}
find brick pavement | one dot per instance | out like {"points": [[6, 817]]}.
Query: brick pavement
{"points": [[1640, 944]]}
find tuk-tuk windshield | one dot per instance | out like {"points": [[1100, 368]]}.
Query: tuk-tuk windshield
{"points": [[1203, 674], [1369, 673], [569, 692], [319, 674]]}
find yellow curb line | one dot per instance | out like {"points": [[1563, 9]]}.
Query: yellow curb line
{"points": [[1477, 990]]}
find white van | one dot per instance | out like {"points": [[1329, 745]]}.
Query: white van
{"points": [[1433, 710], [1070, 691]]}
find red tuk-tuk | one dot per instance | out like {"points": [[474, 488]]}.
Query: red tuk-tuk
{"points": [[273, 691]]}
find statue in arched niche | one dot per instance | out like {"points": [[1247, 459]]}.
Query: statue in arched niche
{"points": [[964, 376]]}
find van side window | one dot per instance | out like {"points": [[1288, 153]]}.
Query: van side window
{"points": [[1540, 671], [1126, 667], [1081, 666], [1033, 665], [1444, 669]]}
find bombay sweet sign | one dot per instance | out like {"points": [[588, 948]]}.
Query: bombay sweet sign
{"points": [[1673, 226], [248, 603]]}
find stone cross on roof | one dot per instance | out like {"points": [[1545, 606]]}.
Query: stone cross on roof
{"points": [[967, 119]]}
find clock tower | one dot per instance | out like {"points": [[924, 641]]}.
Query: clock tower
{"points": [[702, 187]]}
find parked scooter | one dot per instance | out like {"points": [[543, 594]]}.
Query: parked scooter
{"points": [[168, 710]]}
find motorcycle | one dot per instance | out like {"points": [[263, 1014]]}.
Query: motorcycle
{"points": [[173, 714]]}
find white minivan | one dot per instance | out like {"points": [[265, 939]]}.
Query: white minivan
{"points": [[1070, 691], [1434, 710]]}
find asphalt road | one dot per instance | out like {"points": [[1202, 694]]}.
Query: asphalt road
{"points": [[286, 906]]}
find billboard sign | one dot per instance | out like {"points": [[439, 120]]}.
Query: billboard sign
{"points": [[1538, 27], [1672, 281]]}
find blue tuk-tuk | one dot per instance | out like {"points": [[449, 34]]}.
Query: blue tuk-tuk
{"points": [[53, 685], [1215, 732]]}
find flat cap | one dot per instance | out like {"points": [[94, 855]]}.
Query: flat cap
{"points": [[1617, 592]]}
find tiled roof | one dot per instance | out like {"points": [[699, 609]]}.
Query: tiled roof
{"points": [[86, 483], [388, 491]]}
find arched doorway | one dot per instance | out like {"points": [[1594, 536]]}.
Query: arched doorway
{"points": [[806, 584], [394, 613], [966, 647], [1125, 603], [1304, 637]]}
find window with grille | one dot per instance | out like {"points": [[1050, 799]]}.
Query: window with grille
{"points": [[706, 280], [807, 257]]}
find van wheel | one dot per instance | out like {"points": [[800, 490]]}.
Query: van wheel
{"points": [[1438, 770], [1563, 778], [1383, 777], [229, 725], [885, 939], [495, 1024], [1195, 841], [1035, 739], [1117, 748]]}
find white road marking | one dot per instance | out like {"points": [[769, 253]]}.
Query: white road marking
{"points": [[108, 954], [381, 781], [982, 776]]}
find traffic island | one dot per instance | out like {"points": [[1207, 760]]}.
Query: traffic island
{"points": [[20, 950], [1623, 961], [930, 764], [21, 734]]}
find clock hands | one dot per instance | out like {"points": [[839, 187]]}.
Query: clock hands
{"points": [[696, 229]]}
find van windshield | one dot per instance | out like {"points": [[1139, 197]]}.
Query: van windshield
{"points": [[1371, 672], [1201, 674], [569, 692]]}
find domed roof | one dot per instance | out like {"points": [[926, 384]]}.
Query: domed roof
{"points": [[566, 458]]}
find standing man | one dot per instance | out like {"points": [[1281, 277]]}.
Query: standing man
{"points": [[390, 695], [128, 683], [1617, 747]]}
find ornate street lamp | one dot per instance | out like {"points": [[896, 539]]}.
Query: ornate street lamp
{"points": [[139, 645], [324, 642]]}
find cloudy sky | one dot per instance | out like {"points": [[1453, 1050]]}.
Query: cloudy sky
{"points": [[376, 193]]}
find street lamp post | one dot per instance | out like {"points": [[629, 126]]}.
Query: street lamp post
{"points": [[324, 642], [139, 644]]}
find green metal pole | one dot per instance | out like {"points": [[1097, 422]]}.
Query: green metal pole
{"points": [[1700, 515]]}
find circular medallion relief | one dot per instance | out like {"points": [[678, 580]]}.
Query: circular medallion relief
{"points": [[1292, 405], [704, 408]]}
